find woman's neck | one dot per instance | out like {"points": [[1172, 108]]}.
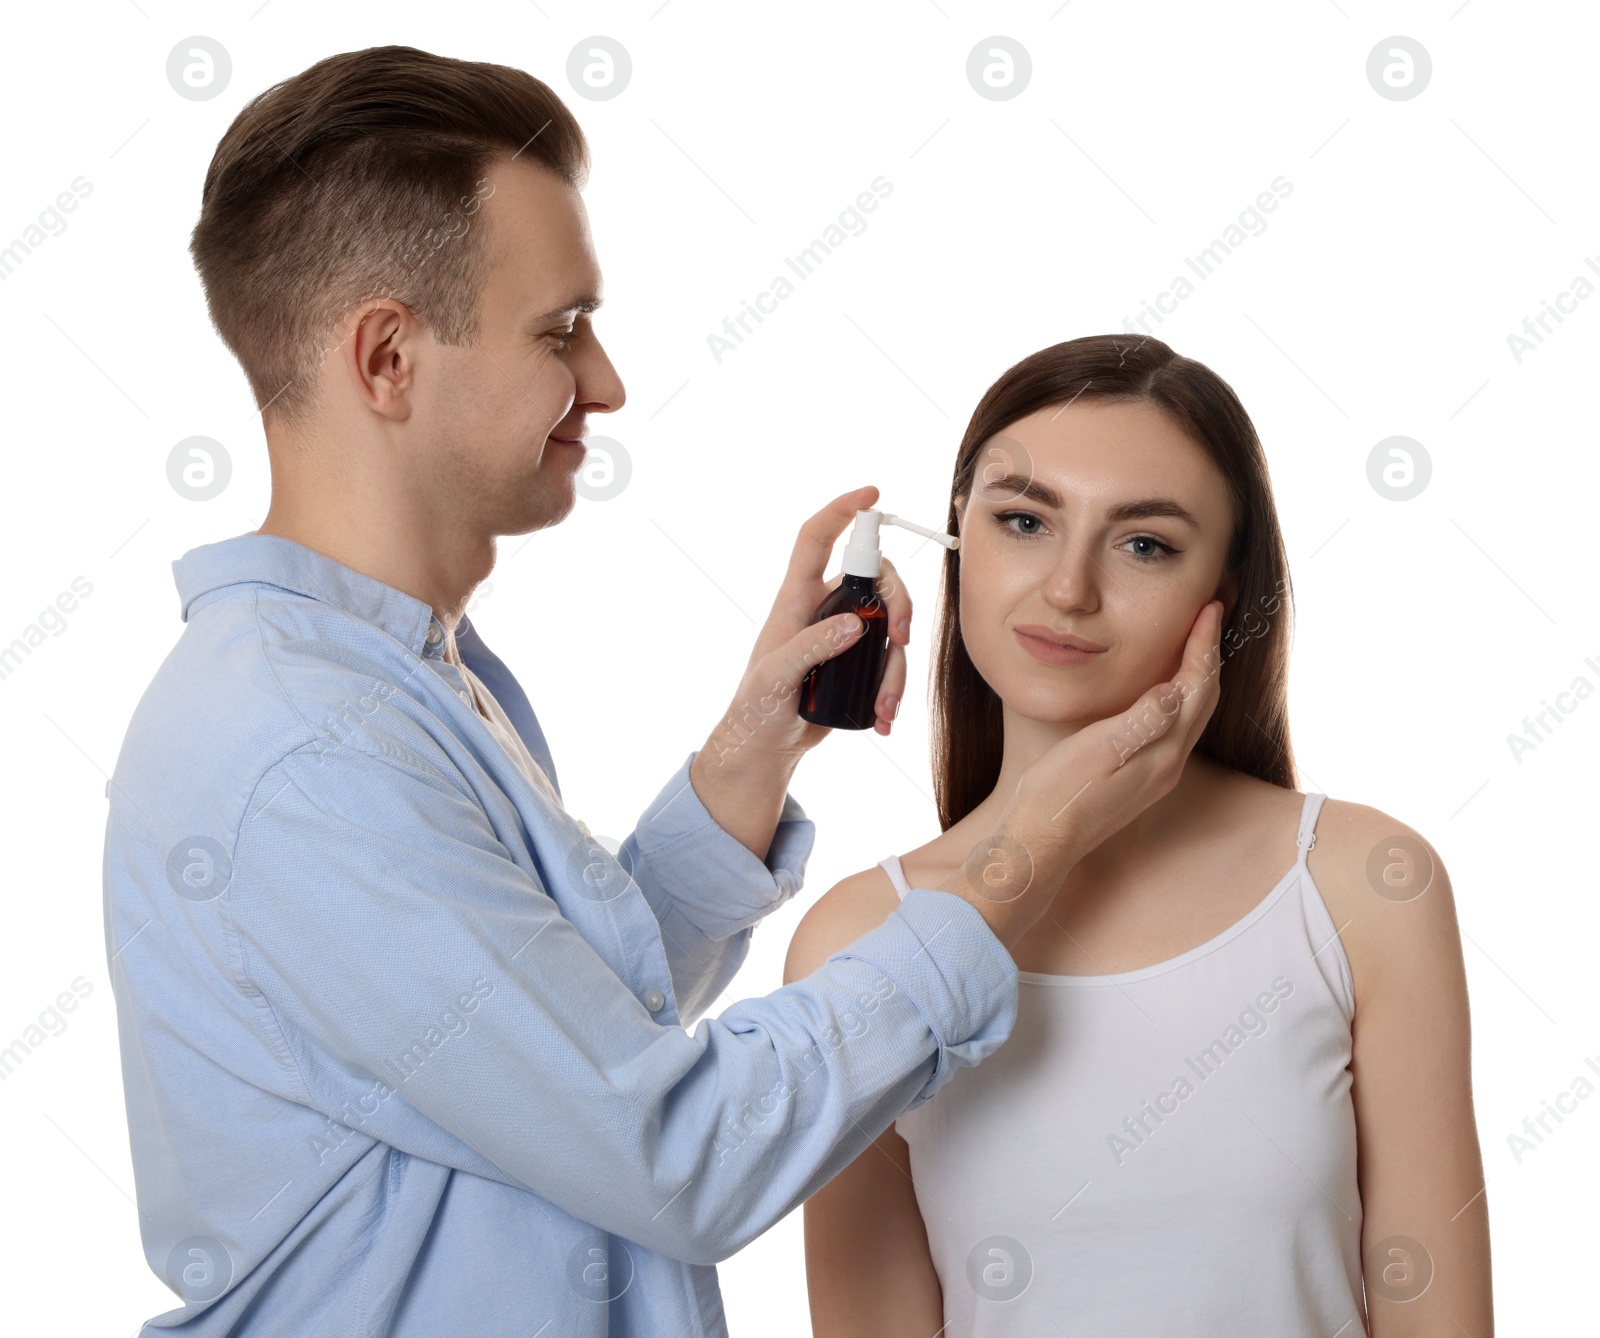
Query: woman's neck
{"points": [[1028, 740]]}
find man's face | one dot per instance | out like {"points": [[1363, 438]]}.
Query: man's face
{"points": [[1090, 562], [499, 416]]}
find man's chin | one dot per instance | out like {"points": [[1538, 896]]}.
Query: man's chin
{"points": [[546, 507]]}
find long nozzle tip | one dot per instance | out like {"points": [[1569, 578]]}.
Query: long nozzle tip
{"points": [[948, 540]]}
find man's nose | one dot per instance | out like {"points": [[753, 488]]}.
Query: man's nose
{"points": [[599, 386]]}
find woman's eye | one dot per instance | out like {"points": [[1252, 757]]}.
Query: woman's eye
{"points": [[1024, 524], [1155, 550], [1005, 518]]}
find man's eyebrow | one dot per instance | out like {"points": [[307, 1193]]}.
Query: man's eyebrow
{"points": [[1015, 485], [585, 304]]}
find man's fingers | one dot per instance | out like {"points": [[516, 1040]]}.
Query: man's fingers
{"points": [[812, 645], [1198, 684], [1151, 717], [797, 598], [1202, 652], [897, 599], [1175, 712], [894, 683], [808, 562]]}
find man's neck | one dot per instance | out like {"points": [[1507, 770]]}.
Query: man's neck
{"points": [[436, 563]]}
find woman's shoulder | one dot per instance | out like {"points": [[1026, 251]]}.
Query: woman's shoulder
{"points": [[1388, 894], [1382, 882], [850, 908], [1348, 834]]}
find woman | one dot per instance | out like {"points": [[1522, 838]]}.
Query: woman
{"points": [[1237, 1096]]}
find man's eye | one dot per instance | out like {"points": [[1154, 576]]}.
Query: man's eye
{"points": [[565, 338]]}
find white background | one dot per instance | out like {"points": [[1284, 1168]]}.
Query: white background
{"points": [[1377, 302]]}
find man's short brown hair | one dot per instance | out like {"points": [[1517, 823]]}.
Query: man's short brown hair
{"points": [[361, 177]]}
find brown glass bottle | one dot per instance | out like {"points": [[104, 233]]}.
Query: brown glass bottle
{"points": [[842, 693]]}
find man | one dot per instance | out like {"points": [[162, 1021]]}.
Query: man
{"points": [[405, 1050]]}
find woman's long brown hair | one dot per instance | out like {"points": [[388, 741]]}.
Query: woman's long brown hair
{"points": [[1249, 729]]}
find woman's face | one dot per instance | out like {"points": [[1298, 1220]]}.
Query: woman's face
{"points": [[1103, 520]]}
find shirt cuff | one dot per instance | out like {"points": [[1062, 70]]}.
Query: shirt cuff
{"points": [[684, 854], [940, 952]]}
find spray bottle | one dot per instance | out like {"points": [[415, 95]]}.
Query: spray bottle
{"points": [[841, 693]]}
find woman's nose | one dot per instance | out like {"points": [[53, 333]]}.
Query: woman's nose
{"points": [[1073, 583]]}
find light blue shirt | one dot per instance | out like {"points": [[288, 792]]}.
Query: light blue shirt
{"points": [[406, 1052]]}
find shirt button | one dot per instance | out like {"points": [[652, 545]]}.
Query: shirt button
{"points": [[654, 1000], [465, 696], [435, 636]]}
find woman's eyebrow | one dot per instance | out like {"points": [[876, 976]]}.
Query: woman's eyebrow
{"points": [[1011, 486], [1152, 507], [1015, 485]]}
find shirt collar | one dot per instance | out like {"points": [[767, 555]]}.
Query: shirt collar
{"points": [[270, 559]]}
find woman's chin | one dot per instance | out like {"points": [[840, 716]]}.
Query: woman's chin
{"points": [[1060, 707], [1057, 708]]}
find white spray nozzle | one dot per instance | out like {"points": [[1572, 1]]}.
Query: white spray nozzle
{"points": [[861, 554], [948, 540]]}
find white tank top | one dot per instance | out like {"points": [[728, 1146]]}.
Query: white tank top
{"points": [[1165, 1151]]}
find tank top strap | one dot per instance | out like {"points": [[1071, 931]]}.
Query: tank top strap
{"points": [[1308, 824], [891, 866]]}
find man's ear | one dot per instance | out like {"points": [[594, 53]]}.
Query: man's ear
{"points": [[379, 358], [1228, 593]]}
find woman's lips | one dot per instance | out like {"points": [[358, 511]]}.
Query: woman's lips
{"points": [[1048, 652]]}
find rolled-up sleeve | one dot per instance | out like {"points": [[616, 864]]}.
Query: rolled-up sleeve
{"points": [[390, 938], [706, 888], [964, 988]]}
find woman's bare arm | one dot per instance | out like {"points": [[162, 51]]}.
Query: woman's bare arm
{"points": [[1425, 1228], [868, 1269]]}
